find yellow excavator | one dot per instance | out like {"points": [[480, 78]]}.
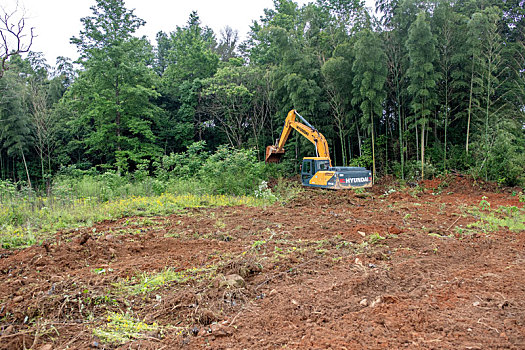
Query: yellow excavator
{"points": [[317, 171]]}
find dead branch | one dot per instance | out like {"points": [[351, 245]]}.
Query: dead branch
{"points": [[13, 31]]}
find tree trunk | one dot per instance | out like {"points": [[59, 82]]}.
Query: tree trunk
{"points": [[117, 120], [27, 171], [470, 105], [446, 125], [423, 150], [343, 148], [373, 147], [417, 142]]}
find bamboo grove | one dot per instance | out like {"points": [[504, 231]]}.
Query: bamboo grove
{"points": [[409, 88]]}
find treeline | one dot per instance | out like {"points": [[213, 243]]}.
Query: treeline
{"points": [[413, 89]]}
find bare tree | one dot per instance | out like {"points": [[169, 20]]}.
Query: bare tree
{"points": [[13, 35], [228, 43]]}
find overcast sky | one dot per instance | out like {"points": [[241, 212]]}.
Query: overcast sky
{"points": [[56, 21]]}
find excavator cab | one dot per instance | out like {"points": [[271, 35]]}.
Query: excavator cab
{"points": [[307, 171]]}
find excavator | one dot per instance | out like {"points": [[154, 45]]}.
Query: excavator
{"points": [[317, 171]]}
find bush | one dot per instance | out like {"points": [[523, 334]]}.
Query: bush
{"points": [[232, 171]]}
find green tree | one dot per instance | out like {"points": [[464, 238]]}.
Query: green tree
{"points": [[490, 76], [370, 75], [114, 92], [229, 102], [339, 87], [421, 46], [190, 59], [15, 123]]}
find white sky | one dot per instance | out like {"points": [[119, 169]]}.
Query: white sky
{"points": [[56, 21]]}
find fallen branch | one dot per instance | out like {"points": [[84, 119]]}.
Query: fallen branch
{"points": [[448, 229]]}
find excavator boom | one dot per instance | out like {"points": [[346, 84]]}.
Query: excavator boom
{"points": [[275, 152]]}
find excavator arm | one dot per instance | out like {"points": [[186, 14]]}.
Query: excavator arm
{"points": [[275, 152]]}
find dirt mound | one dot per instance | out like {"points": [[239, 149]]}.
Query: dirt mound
{"points": [[383, 268]]}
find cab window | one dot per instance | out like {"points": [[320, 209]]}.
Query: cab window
{"points": [[323, 165], [307, 167]]}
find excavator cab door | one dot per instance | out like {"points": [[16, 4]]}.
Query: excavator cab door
{"points": [[307, 171]]}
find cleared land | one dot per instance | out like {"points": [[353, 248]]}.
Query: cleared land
{"points": [[439, 265]]}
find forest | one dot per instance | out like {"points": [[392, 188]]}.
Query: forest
{"points": [[137, 210], [410, 88]]}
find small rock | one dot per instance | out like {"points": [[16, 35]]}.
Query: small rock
{"points": [[195, 331], [295, 302], [393, 230], [376, 301], [219, 330], [18, 299], [84, 238], [46, 347], [476, 303], [364, 302], [232, 281], [361, 233]]}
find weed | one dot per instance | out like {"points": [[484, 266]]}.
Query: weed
{"points": [[121, 328], [511, 217], [258, 244], [375, 238], [362, 190], [18, 237], [484, 204], [146, 283], [219, 224]]}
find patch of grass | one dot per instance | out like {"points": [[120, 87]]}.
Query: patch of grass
{"points": [[147, 283], [286, 190], [11, 237], [121, 328], [23, 222], [491, 220]]}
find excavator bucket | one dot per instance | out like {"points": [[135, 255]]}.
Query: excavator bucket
{"points": [[273, 154]]}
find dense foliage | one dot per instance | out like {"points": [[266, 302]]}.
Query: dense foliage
{"points": [[423, 87]]}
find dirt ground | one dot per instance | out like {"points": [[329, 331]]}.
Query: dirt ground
{"points": [[382, 269]]}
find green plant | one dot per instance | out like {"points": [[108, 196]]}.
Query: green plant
{"points": [[511, 217], [375, 238], [484, 204], [146, 283], [258, 244], [121, 328]]}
